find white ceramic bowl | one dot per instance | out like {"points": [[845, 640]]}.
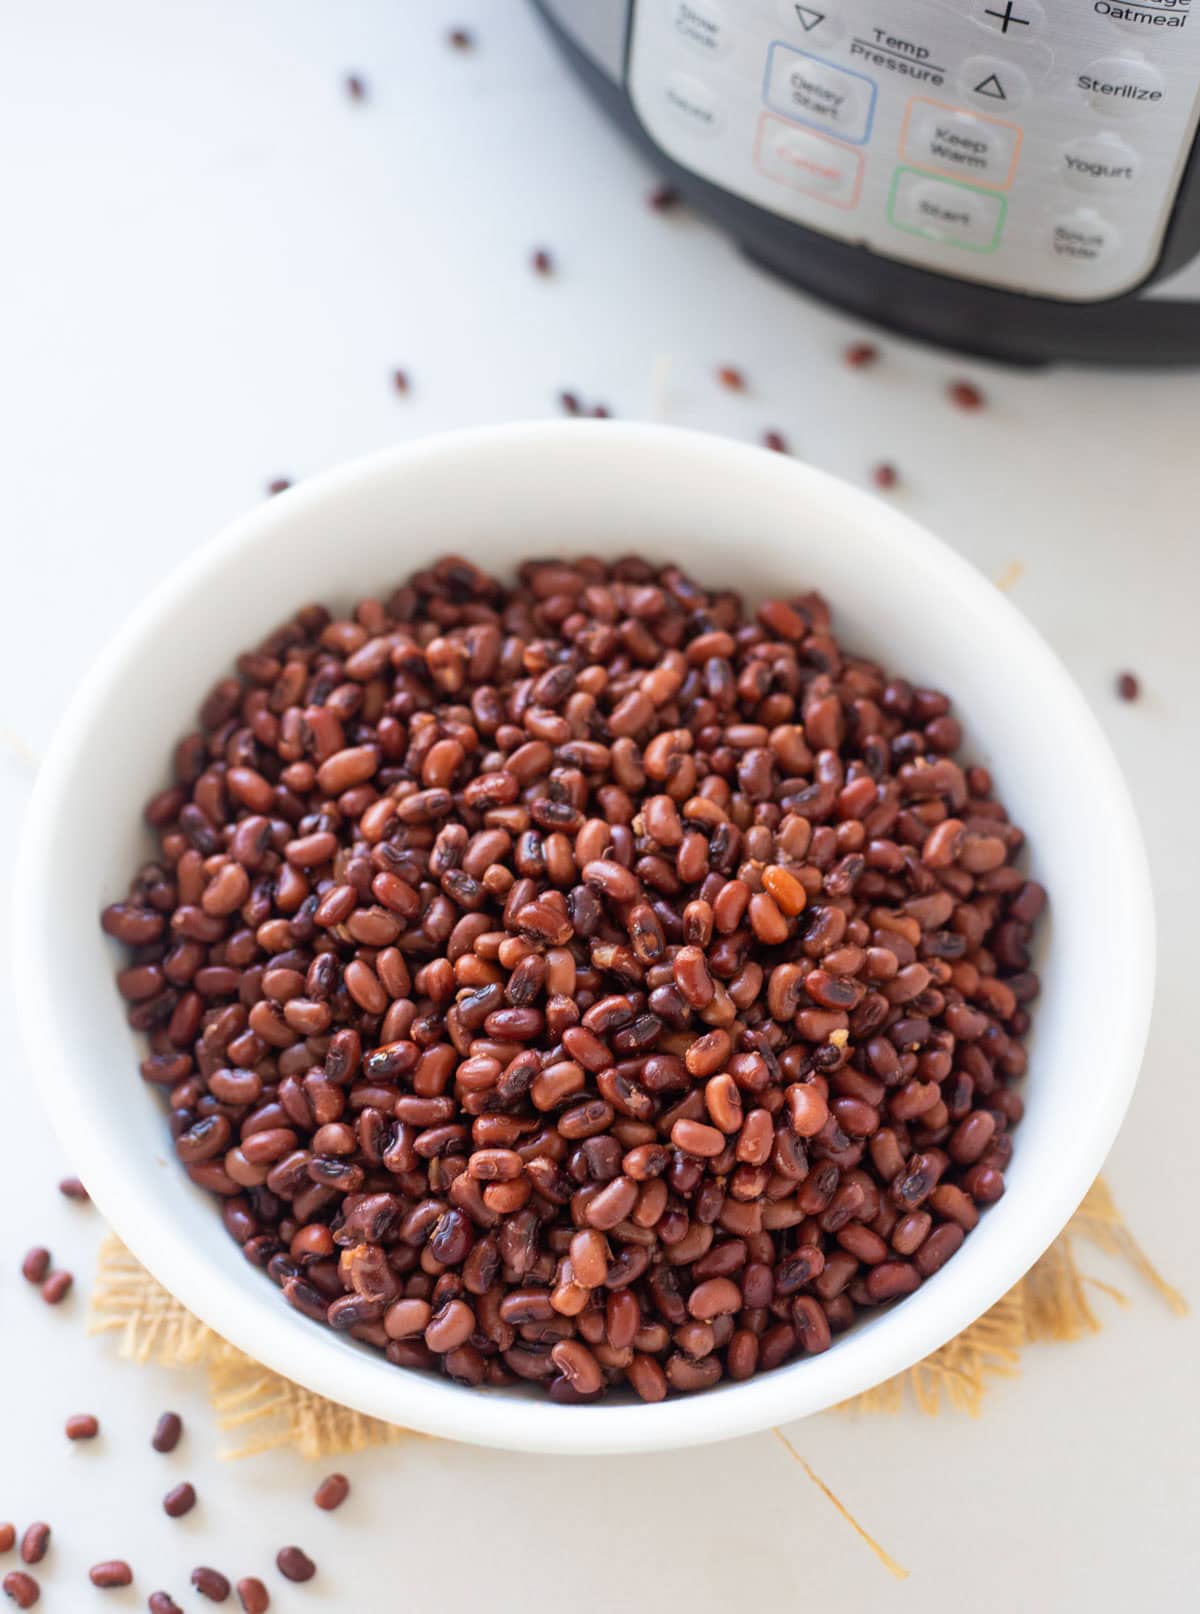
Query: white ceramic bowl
{"points": [[733, 515]]}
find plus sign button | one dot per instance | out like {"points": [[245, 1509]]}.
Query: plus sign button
{"points": [[1015, 19]]}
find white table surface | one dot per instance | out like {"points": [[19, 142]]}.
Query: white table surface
{"points": [[210, 261]]}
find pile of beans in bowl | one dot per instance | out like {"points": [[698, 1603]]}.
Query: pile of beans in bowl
{"points": [[593, 982]]}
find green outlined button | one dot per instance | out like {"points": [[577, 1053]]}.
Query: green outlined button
{"points": [[946, 210]]}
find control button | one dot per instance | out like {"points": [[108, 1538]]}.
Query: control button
{"points": [[991, 87], [693, 103], [701, 24], [1123, 86], [982, 149], [1101, 162], [1015, 19], [992, 82], [1146, 17], [809, 163], [817, 93], [819, 23], [945, 210], [1083, 237]]}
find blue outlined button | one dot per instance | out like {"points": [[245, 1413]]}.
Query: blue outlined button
{"points": [[816, 92]]}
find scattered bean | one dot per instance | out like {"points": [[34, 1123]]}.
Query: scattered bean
{"points": [[35, 1265], [35, 1542], [179, 1500], [332, 1492], [210, 1583], [253, 1595], [167, 1432], [859, 355], [21, 1588], [965, 395], [294, 1564], [111, 1573]]}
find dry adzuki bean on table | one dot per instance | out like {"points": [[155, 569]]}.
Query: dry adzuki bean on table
{"points": [[113, 1572], [21, 1588], [180, 1499], [35, 1543], [167, 1432], [587, 983], [332, 1492], [36, 1264], [56, 1288], [253, 1595], [211, 1583], [860, 355], [294, 1564]]}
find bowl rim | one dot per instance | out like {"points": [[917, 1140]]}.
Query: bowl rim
{"points": [[434, 1406]]}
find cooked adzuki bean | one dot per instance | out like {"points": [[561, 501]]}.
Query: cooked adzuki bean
{"points": [[589, 982]]}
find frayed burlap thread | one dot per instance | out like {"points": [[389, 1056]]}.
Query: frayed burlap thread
{"points": [[263, 1411], [1051, 1302], [268, 1412]]}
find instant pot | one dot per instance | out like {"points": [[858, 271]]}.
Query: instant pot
{"points": [[1013, 178]]}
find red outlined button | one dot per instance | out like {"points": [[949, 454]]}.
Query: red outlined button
{"points": [[808, 162]]}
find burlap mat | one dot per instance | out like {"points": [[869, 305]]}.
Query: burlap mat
{"points": [[263, 1411]]}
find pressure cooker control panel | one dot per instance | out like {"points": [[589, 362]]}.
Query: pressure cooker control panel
{"points": [[1035, 145]]}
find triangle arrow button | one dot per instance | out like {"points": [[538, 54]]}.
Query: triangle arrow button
{"points": [[809, 18], [990, 86]]}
